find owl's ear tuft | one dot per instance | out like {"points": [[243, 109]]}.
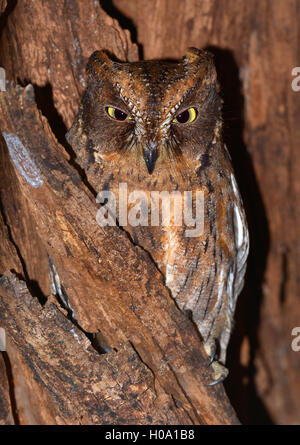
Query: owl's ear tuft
{"points": [[100, 62], [192, 55], [197, 56], [200, 63]]}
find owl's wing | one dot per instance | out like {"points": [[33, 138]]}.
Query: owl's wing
{"points": [[206, 275], [241, 238], [236, 271]]}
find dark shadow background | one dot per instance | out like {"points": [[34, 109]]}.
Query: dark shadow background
{"points": [[240, 384]]}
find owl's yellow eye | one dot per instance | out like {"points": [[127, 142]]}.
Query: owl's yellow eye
{"points": [[117, 114], [186, 117]]}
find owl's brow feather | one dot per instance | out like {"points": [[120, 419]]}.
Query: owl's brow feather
{"points": [[183, 99], [188, 92], [133, 108], [140, 116]]}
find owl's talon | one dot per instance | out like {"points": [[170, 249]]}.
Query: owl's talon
{"points": [[220, 373], [213, 355], [210, 349], [215, 382]]}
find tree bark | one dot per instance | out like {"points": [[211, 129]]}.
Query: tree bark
{"points": [[256, 45], [156, 371]]}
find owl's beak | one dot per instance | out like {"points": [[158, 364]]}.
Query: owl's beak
{"points": [[150, 155]]}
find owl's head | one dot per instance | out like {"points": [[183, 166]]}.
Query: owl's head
{"points": [[156, 111]]}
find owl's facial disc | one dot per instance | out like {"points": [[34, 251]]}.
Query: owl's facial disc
{"points": [[156, 106]]}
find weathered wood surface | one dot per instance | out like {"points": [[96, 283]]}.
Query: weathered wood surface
{"points": [[6, 416], [256, 45], [60, 379], [49, 43]]}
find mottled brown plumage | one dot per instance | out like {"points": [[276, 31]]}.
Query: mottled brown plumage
{"points": [[149, 151]]}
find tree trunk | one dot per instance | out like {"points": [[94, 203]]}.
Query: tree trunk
{"points": [[156, 372], [256, 46]]}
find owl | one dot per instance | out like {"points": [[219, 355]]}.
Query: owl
{"points": [[156, 126]]}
